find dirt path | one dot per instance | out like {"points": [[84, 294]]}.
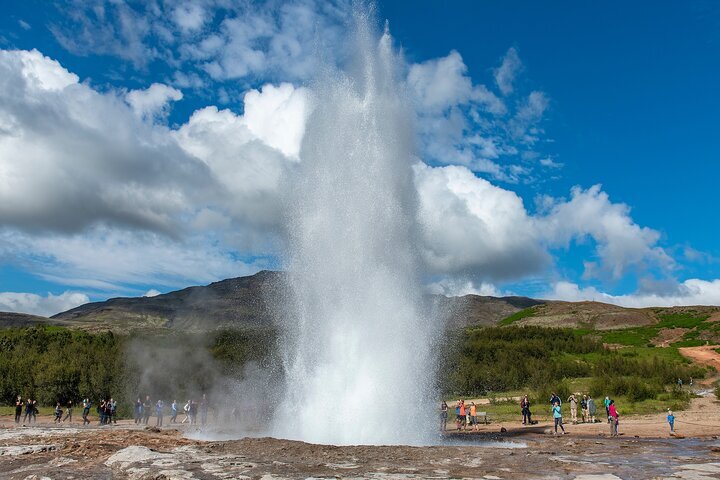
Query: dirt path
{"points": [[706, 356]]}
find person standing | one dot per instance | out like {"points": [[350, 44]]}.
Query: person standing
{"points": [[28, 411], [58, 413], [159, 413], [614, 419], [555, 399], [607, 408], [101, 412], [457, 414], [193, 412], [113, 411], [147, 409], [204, 405], [173, 412], [18, 409], [592, 409], [186, 409], [525, 409], [557, 415], [68, 412], [473, 416], [573, 408], [443, 416], [584, 409], [34, 411], [138, 411], [86, 411], [463, 415], [671, 421]]}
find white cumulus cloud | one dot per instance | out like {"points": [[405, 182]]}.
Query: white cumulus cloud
{"points": [[690, 292], [622, 244], [38, 305], [153, 102], [472, 226]]}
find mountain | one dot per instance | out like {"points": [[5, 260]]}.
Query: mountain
{"points": [[13, 320], [248, 302], [227, 303]]}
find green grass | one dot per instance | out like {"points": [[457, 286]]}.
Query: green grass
{"points": [[667, 353], [10, 411], [681, 320], [528, 312], [642, 336], [636, 336]]}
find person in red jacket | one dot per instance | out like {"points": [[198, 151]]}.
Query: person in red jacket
{"points": [[613, 417]]}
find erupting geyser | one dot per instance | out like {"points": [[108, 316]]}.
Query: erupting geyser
{"points": [[357, 347]]}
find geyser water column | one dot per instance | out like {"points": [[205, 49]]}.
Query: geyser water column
{"points": [[356, 347]]}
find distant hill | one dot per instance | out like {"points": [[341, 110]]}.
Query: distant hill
{"points": [[233, 302], [13, 320], [243, 302]]}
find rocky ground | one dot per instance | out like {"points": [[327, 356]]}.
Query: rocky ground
{"points": [[129, 452], [126, 451]]}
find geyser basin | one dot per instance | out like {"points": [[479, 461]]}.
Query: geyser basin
{"points": [[357, 340]]}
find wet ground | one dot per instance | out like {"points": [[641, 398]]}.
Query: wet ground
{"points": [[128, 452]]}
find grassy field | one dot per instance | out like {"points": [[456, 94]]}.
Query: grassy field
{"points": [[502, 410], [10, 411], [528, 312], [700, 331]]}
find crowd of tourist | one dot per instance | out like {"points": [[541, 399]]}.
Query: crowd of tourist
{"points": [[144, 409], [466, 415], [106, 411]]}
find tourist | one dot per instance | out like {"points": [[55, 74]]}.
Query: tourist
{"points": [[193, 412], [557, 415], [204, 405], [555, 399], [68, 412], [473, 416], [18, 409], [443, 415], [58, 413], [101, 412], [573, 408], [584, 409], [173, 412], [113, 411], [186, 409], [463, 415], [671, 421], [34, 411], [159, 413], [525, 409], [138, 411], [592, 409], [613, 418], [607, 408], [147, 409], [679, 382], [86, 411], [457, 414]]}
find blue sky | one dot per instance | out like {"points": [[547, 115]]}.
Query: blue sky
{"points": [[600, 118]]}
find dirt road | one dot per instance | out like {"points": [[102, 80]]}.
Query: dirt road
{"points": [[704, 355]]}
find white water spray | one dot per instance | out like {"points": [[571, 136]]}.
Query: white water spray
{"points": [[357, 345]]}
